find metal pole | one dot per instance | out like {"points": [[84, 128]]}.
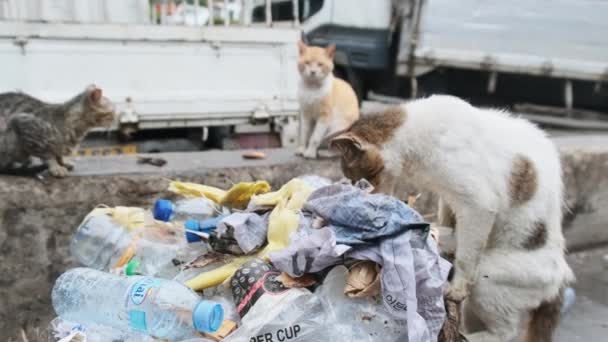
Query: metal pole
{"points": [[197, 8], [153, 13], [163, 12], [226, 14], [185, 3], [296, 13], [246, 12], [568, 96], [268, 13], [306, 9], [412, 48], [492, 82], [210, 22]]}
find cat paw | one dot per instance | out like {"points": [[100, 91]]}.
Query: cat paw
{"points": [[310, 154], [457, 290], [68, 165], [58, 171], [300, 151]]}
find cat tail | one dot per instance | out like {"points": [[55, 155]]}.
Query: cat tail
{"points": [[544, 319]]}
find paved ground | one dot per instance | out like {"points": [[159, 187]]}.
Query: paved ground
{"points": [[588, 319], [179, 162]]}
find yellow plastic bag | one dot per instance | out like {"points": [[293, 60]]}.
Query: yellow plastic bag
{"points": [[197, 190], [281, 223], [283, 220], [236, 197], [240, 194], [216, 276], [295, 192]]}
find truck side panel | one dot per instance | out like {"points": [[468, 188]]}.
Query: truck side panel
{"points": [[562, 38], [171, 83]]}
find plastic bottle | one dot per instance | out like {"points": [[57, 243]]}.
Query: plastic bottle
{"points": [[61, 330], [163, 260], [193, 208], [103, 244], [161, 308]]}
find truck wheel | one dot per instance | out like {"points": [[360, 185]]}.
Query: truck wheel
{"points": [[215, 139]]}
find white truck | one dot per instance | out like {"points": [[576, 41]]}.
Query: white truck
{"points": [[165, 64], [546, 56]]}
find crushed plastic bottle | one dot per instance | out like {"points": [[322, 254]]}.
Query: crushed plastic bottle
{"points": [[101, 243], [198, 208], [157, 307]]}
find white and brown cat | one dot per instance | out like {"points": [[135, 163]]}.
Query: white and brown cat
{"points": [[500, 182], [327, 103]]}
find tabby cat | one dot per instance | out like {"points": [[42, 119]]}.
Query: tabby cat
{"points": [[33, 128]]}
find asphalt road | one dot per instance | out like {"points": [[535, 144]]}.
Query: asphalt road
{"points": [[588, 319]]}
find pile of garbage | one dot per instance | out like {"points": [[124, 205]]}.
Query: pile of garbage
{"points": [[313, 261]]}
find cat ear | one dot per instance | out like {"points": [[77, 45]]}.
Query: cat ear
{"points": [[331, 50], [346, 142], [302, 47], [95, 95]]}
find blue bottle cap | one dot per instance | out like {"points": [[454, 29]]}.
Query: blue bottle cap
{"points": [[210, 224], [192, 225], [207, 316], [163, 209]]}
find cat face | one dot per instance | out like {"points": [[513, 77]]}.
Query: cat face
{"points": [[315, 63], [97, 109], [360, 146], [359, 160]]}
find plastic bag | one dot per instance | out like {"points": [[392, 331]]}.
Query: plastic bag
{"points": [[315, 181], [236, 197], [356, 319]]}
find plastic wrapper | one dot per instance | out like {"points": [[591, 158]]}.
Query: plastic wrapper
{"points": [[315, 181], [356, 319]]}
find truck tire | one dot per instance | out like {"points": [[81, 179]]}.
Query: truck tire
{"points": [[216, 137]]}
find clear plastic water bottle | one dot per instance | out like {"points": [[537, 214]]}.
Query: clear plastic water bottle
{"points": [[62, 330], [100, 243], [182, 210], [103, 244], [163, 260], [157, 307]]}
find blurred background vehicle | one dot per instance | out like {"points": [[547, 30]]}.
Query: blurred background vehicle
{"points": [[180, 80], [532, 56]]}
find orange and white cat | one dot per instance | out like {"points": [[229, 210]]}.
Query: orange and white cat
{"points": [[327, 104]]}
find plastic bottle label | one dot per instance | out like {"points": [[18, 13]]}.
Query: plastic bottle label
{"points": [[137, 320], [140, 290], [137, 295]]}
